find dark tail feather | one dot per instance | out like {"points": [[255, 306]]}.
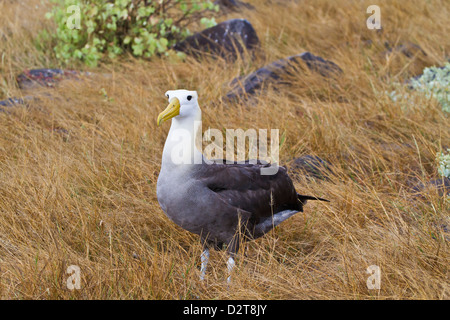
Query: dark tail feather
{"points": [[303, 198]]}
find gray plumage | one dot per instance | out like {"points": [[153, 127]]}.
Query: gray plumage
{"points": [[223, 203]]}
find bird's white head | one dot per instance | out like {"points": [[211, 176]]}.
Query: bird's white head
{"points": [[182, 104]]}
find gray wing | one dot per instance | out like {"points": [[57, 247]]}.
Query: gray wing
{"points": [[243, 187]]}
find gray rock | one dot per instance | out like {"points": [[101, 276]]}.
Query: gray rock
{"points": [[408, 49], [311, 166], [233, 5], [273, 73], [228, 40], [13, 102], [45, 77], [442, 186]]}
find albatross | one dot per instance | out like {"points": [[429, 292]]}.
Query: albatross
{"points": [[222, 202]]}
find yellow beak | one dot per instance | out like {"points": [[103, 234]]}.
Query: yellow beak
{"points": [[172, 110]]}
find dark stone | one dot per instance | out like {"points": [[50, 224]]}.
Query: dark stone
{"points": [[227, 39], [44, 77], [233, 5], [442, 186], [274, 72], [408, 49], [312, 166], [11, 102]]}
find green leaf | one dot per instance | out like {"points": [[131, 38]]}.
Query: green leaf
{"points": [[127, 40], [112, 26]]}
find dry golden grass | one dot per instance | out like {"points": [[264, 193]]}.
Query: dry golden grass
{"points": [[78, 171]]}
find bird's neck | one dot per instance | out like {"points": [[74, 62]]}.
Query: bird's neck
{"points": [[180, 147]]}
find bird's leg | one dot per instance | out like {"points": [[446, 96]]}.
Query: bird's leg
{"points": [[233, 249], [230, 266], [204, 257]]}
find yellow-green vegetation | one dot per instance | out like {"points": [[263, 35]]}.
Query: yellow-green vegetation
{"points": [[78, 166], [98, 28]]}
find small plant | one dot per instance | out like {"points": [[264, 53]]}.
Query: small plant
{"points": [[112, 27], [434, 83], [444, 164]]}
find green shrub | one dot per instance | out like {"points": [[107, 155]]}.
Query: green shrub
{"points": [[444, 164], [435, 82], [111, 27]]}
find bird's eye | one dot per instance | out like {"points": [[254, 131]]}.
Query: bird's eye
{"points": [[167, 95], [189, 98]]}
